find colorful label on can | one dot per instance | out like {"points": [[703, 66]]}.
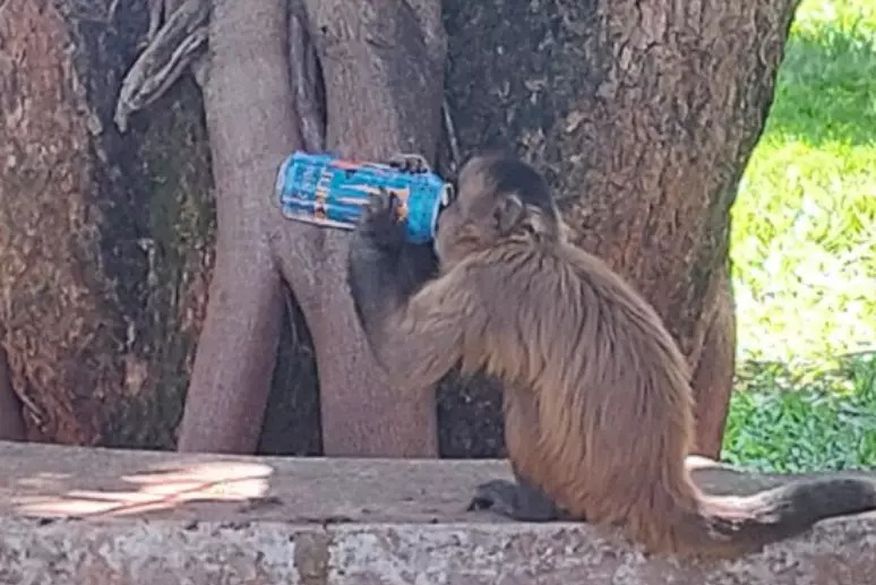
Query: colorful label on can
{"points": [[326, 190]]}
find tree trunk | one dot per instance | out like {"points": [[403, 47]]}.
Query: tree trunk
{"points": [[11, 414], [367, 49], [643, 115], [105, 240], [251, 125], [382, 61], [129, 272], [104, 302]]}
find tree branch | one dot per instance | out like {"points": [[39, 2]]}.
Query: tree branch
{"points": [[306, 76], [252, 128], [171, 49], [383, 64]]}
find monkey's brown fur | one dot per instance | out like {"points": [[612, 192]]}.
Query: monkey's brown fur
{"points": [[597, 397]]}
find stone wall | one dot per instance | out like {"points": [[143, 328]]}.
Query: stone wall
{"points": [[72, 515]]}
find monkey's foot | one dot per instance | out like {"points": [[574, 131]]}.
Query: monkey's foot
{"points": [[409, 163], [517, 501]]}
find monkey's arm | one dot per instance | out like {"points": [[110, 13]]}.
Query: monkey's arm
{"points": [[416, 339], [383, 269], [415, 330], [383, 279]]}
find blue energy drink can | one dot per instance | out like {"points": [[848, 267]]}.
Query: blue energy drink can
{"points": [[325, 190]]}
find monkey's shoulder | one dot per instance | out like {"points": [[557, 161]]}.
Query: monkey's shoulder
{"points": [[520, 279], [548, 286]]}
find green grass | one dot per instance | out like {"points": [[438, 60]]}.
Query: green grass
{"points": [[784, 420], [803, 247]]}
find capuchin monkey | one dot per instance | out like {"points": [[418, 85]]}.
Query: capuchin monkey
{"points": [[597, 399]]}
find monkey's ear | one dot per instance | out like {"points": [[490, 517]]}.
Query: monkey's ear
{"points": [[508, 213]]}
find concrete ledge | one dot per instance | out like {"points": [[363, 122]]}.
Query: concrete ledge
{"points": [[99, 517]]}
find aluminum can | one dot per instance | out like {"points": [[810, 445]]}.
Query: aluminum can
{"points": [[326, 190]]}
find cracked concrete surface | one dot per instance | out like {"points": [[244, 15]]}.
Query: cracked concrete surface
{"points": [[95, 516]]}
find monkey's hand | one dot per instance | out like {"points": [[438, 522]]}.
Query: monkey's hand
{"points": [[409, 163], [518, 501], [380, 225]]}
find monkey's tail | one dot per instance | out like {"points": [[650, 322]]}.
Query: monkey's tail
{"points": [[734, 525]]}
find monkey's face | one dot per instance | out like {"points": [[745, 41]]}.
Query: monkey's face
{"points": [[462, 227], [448, 230], [496, 198]]}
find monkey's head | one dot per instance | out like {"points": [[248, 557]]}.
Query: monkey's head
{"points": [[497, 198]]}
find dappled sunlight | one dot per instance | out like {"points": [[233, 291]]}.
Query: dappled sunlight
{"points": [[221, 481], [813, 15], [43, 481], [804, 257]]}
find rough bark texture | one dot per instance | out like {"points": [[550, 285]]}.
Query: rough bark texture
{"points": [[107, 240], [643, 115], [11, 410], [382, 61], [367, 49], [124, 250], [251, 128], [104, 240]]}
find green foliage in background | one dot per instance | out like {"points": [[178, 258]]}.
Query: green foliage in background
{"points": [[804, 420], [803, 247]]}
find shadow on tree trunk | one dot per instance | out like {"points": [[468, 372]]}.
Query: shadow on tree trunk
{"points": [[11, 419]]}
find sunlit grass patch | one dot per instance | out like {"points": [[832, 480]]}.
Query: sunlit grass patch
{"points": [[803, 247]]}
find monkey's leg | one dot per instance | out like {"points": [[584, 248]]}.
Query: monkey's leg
{"points": [[522, 499]]}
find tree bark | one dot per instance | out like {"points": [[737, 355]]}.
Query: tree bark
{"points": [[251, 127], [643, 116], [382, 62], [105, 240], [367, 50], [11, 417], [140, 290]]}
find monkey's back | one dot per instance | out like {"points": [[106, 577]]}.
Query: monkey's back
{"points": [[609, 386]]}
